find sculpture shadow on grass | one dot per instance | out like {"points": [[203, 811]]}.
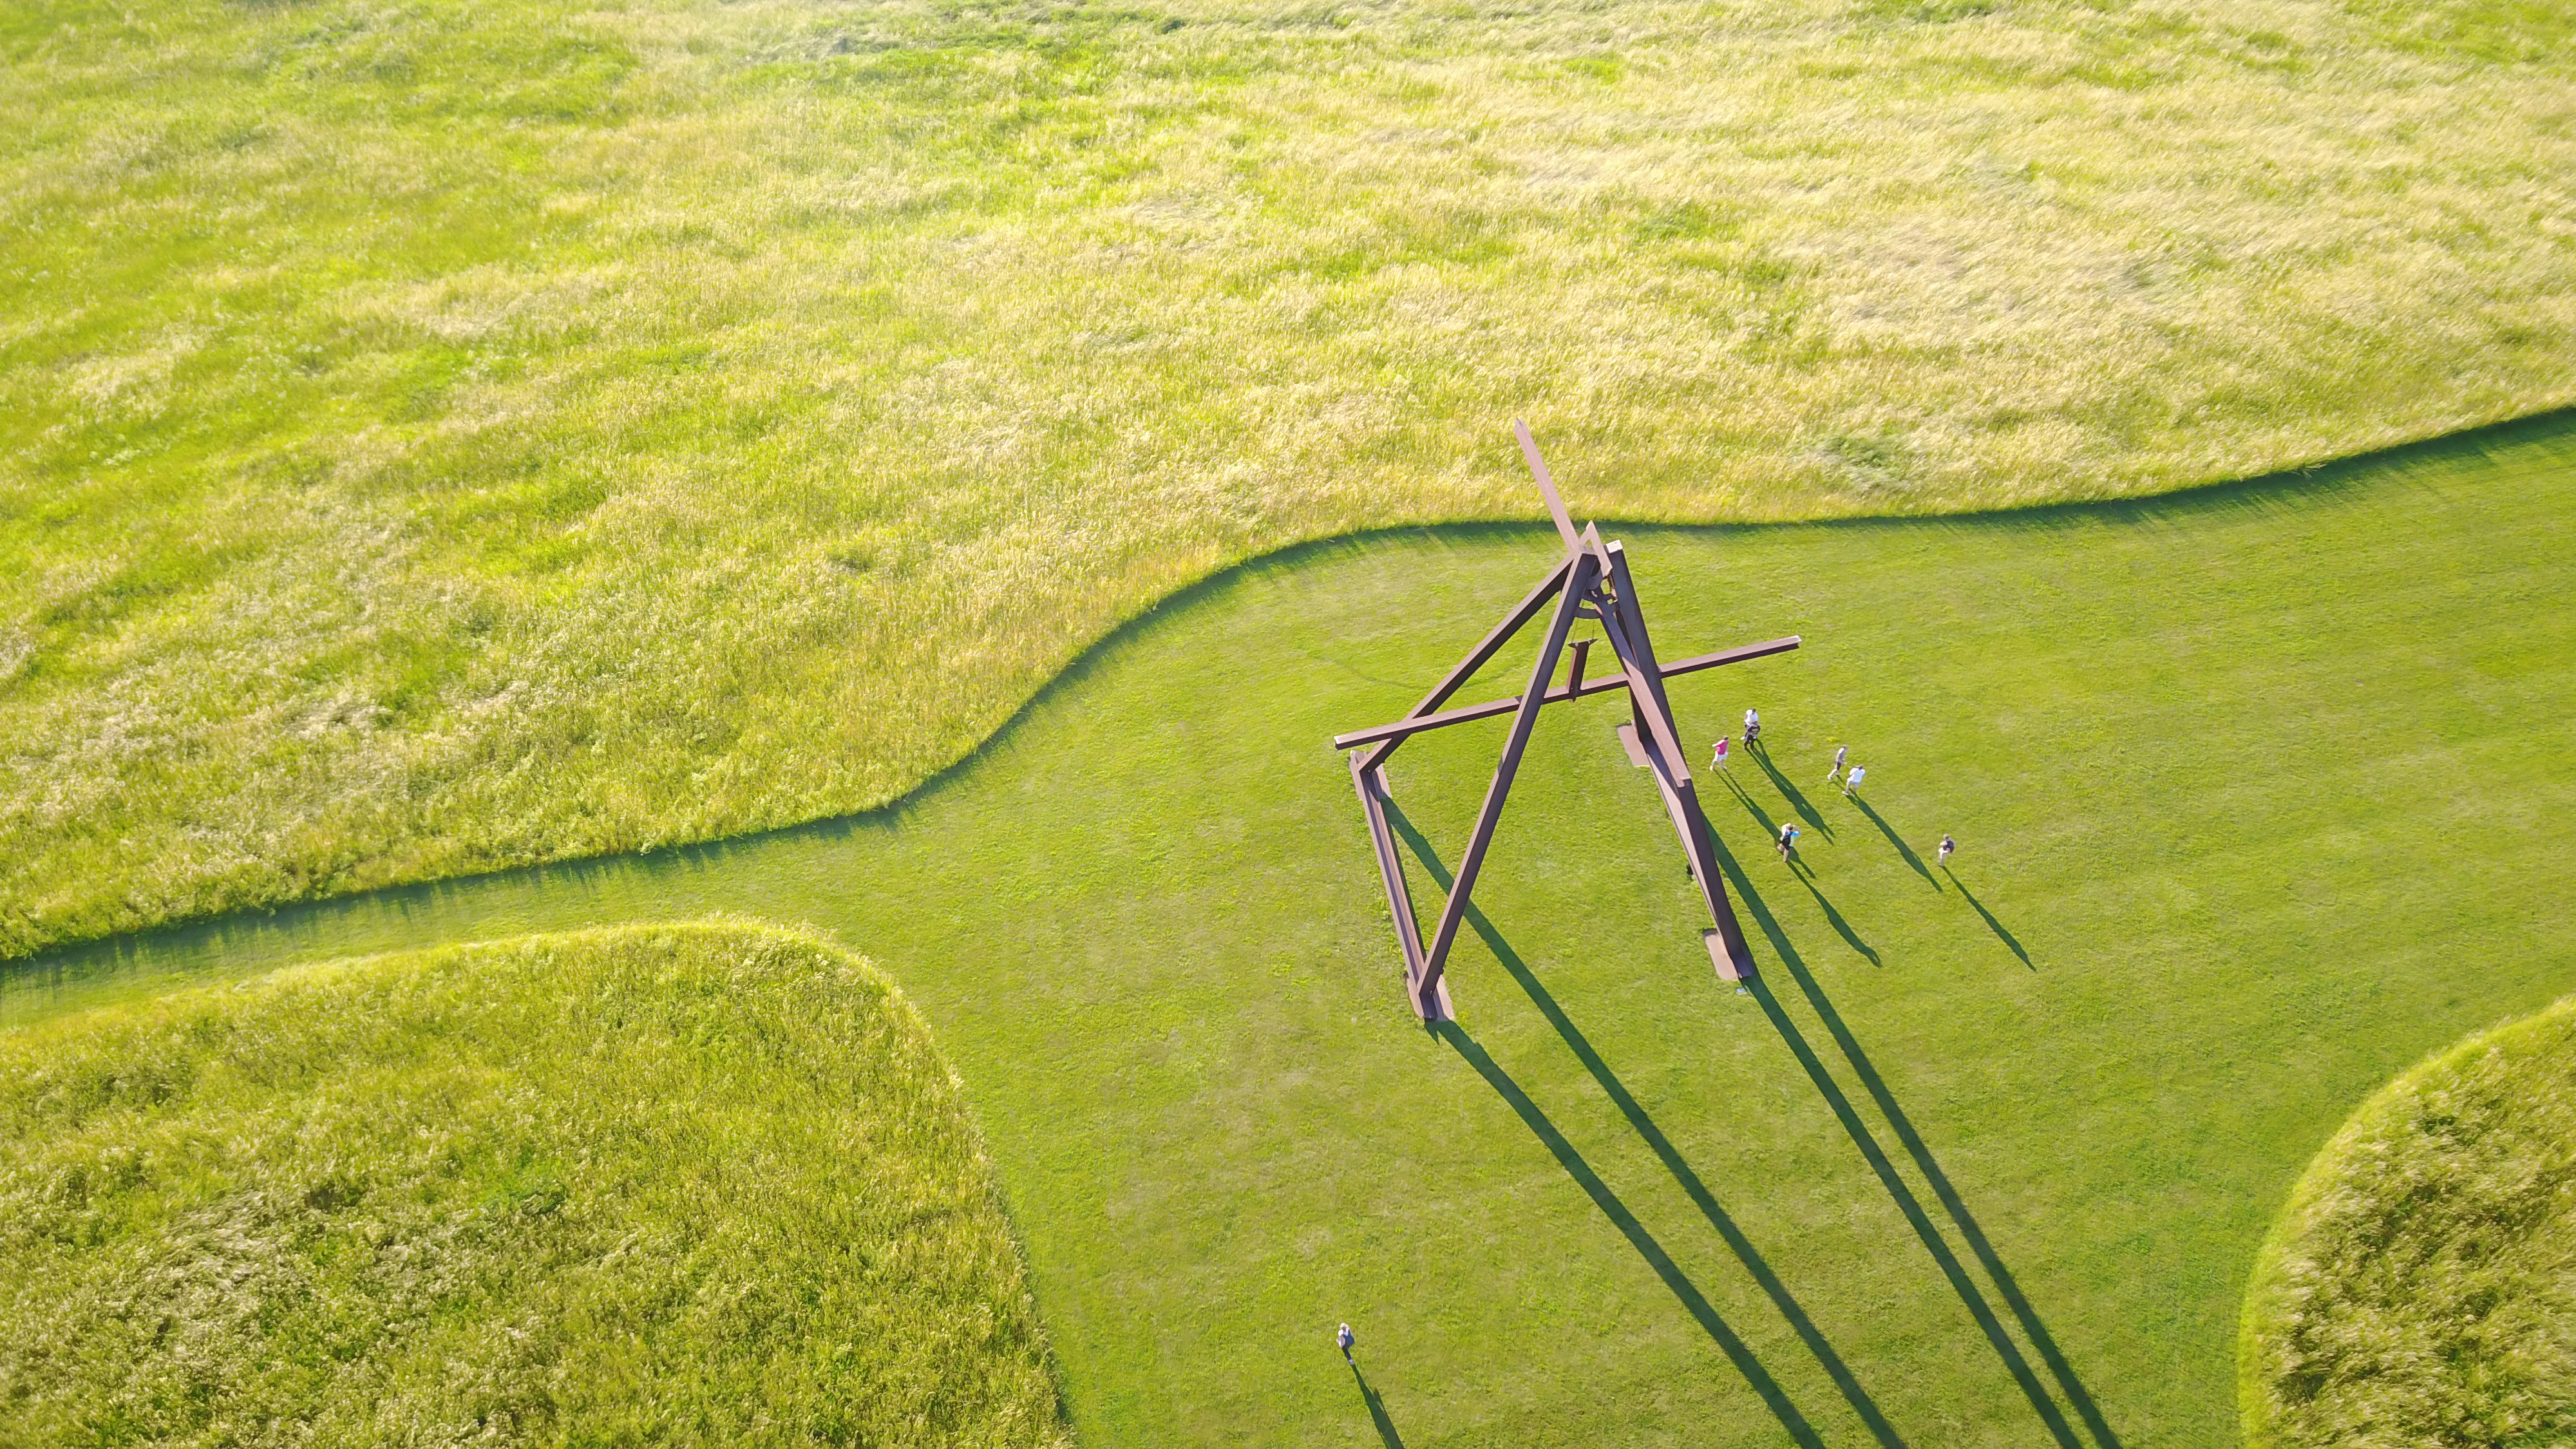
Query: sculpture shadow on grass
{"points": [[1662, 1146], [1906, 1201], [1692, 1300]]}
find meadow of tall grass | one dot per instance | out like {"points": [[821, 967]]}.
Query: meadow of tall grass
{"points": [[2420, 1289], [444, 433], [700, 1184]]}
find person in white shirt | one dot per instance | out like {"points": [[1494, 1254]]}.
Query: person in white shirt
{"points": [[1947, 845], [1752, 725], [1851, 781]]}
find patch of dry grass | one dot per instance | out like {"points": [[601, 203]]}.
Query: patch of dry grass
{"points": [[445, 433], [706, 1184], [2420, 1288]]}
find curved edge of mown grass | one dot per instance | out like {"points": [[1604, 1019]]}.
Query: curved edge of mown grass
{"points": [[2419, 1285], [693, 1182], [26, 942]]}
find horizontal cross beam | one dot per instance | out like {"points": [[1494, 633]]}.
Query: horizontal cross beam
{"points": [[1602, 684]]}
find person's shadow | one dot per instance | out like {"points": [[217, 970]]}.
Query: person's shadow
{"points": [[1797, 799], [1898, 841], [1992, 924], [1377, 1409]]}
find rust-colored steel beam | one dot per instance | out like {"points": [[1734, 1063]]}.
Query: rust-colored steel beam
{"points": [[1399, 900], [1579, 581], [1662, 742], [1547, 488], [1501, 634], [1598, 684]]}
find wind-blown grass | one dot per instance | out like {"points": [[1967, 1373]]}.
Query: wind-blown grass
{"points": [[673, 1185], [2420, 1288], [443, 433]]}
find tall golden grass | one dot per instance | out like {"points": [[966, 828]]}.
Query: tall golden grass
{"points": [[449, 433]]}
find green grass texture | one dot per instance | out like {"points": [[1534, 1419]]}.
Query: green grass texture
{"points": [[2420, 1288], [2261, 795], [445, 434], [697, 1184]]}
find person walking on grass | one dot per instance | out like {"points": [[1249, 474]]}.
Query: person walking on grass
{"points": [[1851, 781], [1788, 839], [1947, 845], [1752, 727], [1841, 753], [1721, 753], [1346, 1338]]}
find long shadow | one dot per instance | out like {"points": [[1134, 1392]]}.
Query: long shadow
{"points": [[1834, 918], [1700, 1196], [1626, 1222], [1876, 1156], [2007, 937], [1377, 1411], [1948, 1195], [1797, 800], [1898, 841], [1761, 817]]}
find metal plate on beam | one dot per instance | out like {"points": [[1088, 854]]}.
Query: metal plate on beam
{"points": [[1717, 955], [1636, 751]]}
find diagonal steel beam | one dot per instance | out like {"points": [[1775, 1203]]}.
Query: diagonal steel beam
{"points": [[1399, 900], [1501, 634], [1661, 741], [1579, 581], [1547, 487]]}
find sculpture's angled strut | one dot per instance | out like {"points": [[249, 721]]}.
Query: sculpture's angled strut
{"points": [[1590, 581]]}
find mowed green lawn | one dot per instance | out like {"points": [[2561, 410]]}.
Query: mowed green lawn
{"points": [[2261, 793]]}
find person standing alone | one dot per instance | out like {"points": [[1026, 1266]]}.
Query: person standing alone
{"points": [[1947, 845], [1346, 1338], [1788, 840]]}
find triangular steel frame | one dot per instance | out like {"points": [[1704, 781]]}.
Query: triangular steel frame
{"points": [[1590, 581]]}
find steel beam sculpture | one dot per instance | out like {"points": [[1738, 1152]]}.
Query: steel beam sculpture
{"points": [[1590, 582]]}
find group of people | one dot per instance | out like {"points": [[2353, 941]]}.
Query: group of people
{"points": [[1850, 779]]}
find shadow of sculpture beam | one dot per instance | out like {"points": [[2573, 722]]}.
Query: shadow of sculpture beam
{"points": [[1688, 1178], [1876, 1156], [1692, 1300]]}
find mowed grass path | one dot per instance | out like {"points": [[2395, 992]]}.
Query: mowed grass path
{"points": [[2262, 794]]}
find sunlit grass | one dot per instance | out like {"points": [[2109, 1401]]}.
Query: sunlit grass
{"points": [[671, 1185], [441, 434], [2421, 1287]]}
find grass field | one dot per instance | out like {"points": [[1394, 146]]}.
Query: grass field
{"points": [[704, 1184], [2260, 795], [2421, 1287], [437, 434]]}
